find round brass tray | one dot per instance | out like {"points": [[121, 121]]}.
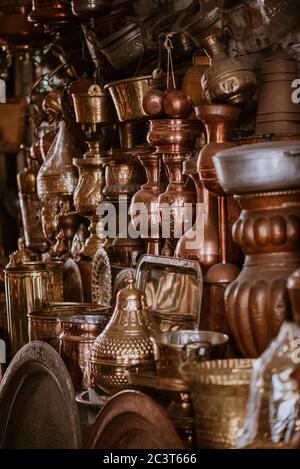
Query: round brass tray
{"points": [[37, 402], [132, 420]]}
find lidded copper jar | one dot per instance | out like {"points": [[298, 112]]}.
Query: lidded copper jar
{"points": [[124, 342]]}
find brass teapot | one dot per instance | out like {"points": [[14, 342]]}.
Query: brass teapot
{"points": [[124, 342]]}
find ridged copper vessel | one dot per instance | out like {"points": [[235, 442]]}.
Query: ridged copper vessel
{"points": [[268, 231]]}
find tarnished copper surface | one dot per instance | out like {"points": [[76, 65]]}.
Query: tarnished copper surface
{"points": [[227, 80], [133, 420], [43, 322], [17, 30], [37, 402], [276, 111], [257, 301], [78, 334], [50, 12], [124, 342], [173, 288]]}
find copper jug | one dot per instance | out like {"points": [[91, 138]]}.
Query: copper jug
{"points": [[276, 111], [124, 342], [228, 80]]}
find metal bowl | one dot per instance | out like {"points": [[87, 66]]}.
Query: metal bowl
{"points": [[43, 322], [261, 167], [128, 95], [172, 349]]}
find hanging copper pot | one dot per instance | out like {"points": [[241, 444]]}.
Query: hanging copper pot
{"points": [[50, 12]]}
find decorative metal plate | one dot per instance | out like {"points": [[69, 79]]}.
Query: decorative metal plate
{"points": [[101, 278], [73, 288], [132, 420], [173, 289], [37, 402]]}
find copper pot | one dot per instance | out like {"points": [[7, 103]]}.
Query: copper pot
{"points": [[43, 322], [276, 111], [86, 9], [78, 334], [92, 104], [171, 349], [123, 173], [50, 12], [124, 342], [17, 30]]}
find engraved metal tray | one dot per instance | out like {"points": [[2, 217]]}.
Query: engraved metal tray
{"points": [[173, 289]]}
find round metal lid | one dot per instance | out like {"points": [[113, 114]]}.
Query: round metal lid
{"points": [[37, 402], [132, 420]]}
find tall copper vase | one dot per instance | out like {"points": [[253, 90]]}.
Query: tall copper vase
{"points": [[268, 231], [219, 121]]}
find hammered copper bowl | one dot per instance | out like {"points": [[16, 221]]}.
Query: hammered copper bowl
{"points": [[43, 322], [170, 348]]}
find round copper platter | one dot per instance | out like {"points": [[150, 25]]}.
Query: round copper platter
{"points": [[37, 402], [132, 420]]}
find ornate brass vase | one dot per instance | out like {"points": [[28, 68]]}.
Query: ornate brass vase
{"points": [[89, 193], [175, 140], [268, 232], [124, 342], [148, 196]]}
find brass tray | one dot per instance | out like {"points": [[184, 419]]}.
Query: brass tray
{"points": [[132, 420], [173, 289], [37, 402]]}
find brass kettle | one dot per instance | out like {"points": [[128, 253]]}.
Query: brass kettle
{"points": [[124, 342]]}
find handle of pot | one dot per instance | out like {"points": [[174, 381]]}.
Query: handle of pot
{"points": [[291, 153], [196, 351]]}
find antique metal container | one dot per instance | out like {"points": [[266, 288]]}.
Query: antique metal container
{"points": [[15, 27], [50, 12], [128, 95], [78, 334], [277, 113], [220, 390], [27, 287], [259, 167], [171, 349], [227, 80], [92, 104], [43, 322], [124, 342]]}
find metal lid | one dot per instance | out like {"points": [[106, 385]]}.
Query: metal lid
{"points": [[260, 150]]}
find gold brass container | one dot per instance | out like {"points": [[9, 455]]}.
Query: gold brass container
{"points": [[27, 286], [124, 342], [128, 95], [92, 105], [43, 322], [220, 391], [78, 334]]}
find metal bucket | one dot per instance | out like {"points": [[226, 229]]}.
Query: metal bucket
{"points": [[220, 391]]}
